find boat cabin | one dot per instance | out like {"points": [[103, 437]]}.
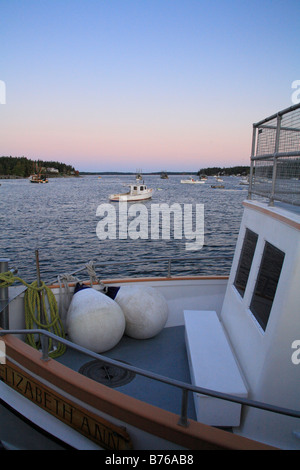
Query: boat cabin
{"points": [[137, 192], [260, 314], [137, 188]]}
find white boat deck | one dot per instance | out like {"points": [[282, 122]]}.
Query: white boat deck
{"points": [[165, 354]]}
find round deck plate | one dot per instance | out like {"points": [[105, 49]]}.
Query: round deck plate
{"points": [[106, 374]]}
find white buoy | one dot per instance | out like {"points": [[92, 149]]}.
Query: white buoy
{"points": [[145, 310], [95, 321]]}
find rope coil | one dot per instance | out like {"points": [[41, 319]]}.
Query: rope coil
{"points": [[40, 311]]}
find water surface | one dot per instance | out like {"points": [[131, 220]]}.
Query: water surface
{"points": [[59, 219]]}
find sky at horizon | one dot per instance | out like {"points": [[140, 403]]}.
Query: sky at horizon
{"points": [[116, 85]]}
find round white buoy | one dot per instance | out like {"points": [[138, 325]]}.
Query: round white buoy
{"points": [[95, 321], [145, 310]]}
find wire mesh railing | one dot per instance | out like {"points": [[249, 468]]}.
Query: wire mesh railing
{"points": [[275, 157]]}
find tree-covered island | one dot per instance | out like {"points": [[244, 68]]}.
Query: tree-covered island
{"points": [[22, 167], [234, 170]]}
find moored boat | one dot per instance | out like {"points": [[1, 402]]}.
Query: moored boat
{"points": [[235, 341], [137, 192], [39, 176], [244, 182], [192, 181], [38, 179]]}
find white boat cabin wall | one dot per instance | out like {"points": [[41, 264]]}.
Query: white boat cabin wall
{"points": [[263, 346]]}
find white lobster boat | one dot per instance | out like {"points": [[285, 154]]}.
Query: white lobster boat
{"points": [[137, 192], [223, 372]]}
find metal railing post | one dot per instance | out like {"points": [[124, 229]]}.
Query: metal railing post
{"points": [[4, 297], [252, 163], [45, 345], [272, 195], [183, 420], [169, 268]]}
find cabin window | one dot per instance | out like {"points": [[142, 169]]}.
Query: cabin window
{"points": [[245, 262], [135, 188], [266, 284]]}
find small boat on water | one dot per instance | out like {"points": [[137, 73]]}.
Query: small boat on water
{"points": [[137, 192], [138, 175], [170, 362], [38, 178], [244, 182], [192, 181]]}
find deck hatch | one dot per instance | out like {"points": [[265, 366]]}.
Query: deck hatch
{"points": [[106, 374]]}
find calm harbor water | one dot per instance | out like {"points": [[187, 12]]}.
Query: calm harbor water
{"points": [[59, 219]]}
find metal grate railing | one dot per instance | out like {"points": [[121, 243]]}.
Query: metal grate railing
{"points": [[275, 157]]}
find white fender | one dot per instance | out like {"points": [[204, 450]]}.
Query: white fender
{"points": [[145, 310], [95, 321]]}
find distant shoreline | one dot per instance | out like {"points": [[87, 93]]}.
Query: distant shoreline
{"points": [[96, 173], [236, 171], [109, 173], [22, 167], [134, 173]]}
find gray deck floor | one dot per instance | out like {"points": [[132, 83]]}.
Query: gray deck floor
{"points": [[165, 354]]}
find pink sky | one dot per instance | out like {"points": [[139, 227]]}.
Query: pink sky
{"points": [[167, 85]]}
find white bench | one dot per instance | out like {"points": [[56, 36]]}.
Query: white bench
{"points": [[212, 366]]}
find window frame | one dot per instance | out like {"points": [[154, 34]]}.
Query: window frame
{"points": [[258, 301], [245, 266]]}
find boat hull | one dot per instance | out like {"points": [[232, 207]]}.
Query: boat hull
{"points": [[129, 197], [38, 181], [192, 182]]}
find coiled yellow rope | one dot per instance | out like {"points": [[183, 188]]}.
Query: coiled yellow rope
{"points": [[40, 312]]}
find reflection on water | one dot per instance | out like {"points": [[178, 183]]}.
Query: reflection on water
{"points": [[60, 220]]}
